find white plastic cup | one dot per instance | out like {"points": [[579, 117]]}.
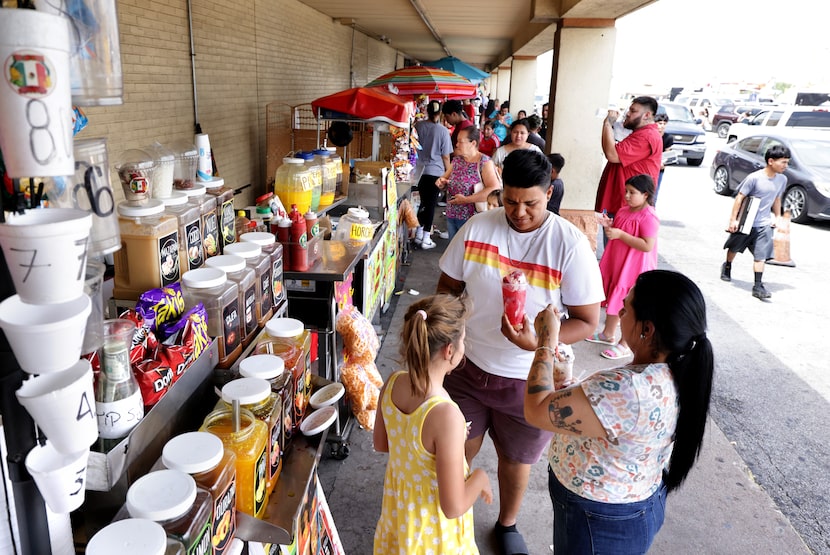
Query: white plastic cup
{"points": [[62, 404], [93, 286], [61, 478], [46, 252], [35, 99], [205, 168], [45, 338]]}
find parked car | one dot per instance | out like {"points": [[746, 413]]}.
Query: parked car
{"points": [[689, 137], [704, 106], [779, 117], [808, 177], [730, 114]]}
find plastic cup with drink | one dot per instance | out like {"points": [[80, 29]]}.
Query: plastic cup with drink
{"points": [[514, 295]]}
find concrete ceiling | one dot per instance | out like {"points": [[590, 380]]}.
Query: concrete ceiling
{"points": [[483, 33]]}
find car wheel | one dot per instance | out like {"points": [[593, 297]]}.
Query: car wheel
{"points": [[795, 202], [694, 161], [731, 138], [722, 181], [723, 129]]}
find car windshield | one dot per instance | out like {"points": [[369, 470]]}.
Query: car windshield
{"points": [[813, 153], [677, 113]]}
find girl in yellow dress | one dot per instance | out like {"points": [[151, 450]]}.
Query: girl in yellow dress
{"points": [[428, 491]]}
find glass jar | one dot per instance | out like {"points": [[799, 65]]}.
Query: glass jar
{"points": [[293, 183], [171, 498], [149, 254], [269, 245], [238, 272], [261, 264], [188, 218], [323, 158], [220, 297], [271, 368], [249, 443], [315, 170], [224, 210], [204, 456], [288, 339], [133, 536], [355, 227]]}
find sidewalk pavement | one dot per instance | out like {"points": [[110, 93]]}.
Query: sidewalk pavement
{"points": [[718, 510]]}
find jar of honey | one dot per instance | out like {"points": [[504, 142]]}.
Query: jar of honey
{"points": [[204, 456], [261, 265], [249, 443], [288, 339], [238, 272]]}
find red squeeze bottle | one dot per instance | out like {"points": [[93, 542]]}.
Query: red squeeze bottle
{"points": [[298, 240], [283, 236]]}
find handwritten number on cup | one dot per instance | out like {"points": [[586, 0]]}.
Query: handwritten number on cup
{"points": [[31, 264], [80, 481], [37, 116], [99, 197]]}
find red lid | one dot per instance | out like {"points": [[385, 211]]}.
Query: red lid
{"points": [[264, 197]]}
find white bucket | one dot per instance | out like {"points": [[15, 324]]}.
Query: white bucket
{"points": [[46, 252], [63, 406], [45, 338], [60, 478], [35, 96]]}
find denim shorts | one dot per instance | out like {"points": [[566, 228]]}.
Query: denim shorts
{"points": [[582, 526]]}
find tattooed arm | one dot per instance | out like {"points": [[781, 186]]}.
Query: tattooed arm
{"points": [[566, 411]]}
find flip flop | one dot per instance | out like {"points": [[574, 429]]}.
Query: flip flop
{"points": [[599, 337], [616, 352], [510, 540]]}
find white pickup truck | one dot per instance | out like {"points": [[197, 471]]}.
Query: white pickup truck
{"points": [[779, 117]]}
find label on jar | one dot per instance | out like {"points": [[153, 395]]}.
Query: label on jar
{"points": [[250, 310], [201, 543], [306, 181], [117, 418], [231, 326], [260, 481], [210, 234], [228, 223], [267, 289], [362, 232], [276, 282], [274, 443], [224, 524], [168, 249], [193, 240], [287, 397]]}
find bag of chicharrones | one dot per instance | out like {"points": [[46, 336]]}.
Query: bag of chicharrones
{"points": [[359, 336], [361, 393], [367, 361]]}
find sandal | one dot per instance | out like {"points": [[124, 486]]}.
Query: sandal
{"points": [[615, 352], [600, 337], [510, 540]]}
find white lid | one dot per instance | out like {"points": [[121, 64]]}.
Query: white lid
{"points": [[245, 250], [246, 390], [166, 158], [131, 536], [175, 199], [292, 160], [212, 183], [150, 208], [228, 263], [262, 238], [332, 149], [196, 191], [284, 222], [310, 215], [266, 367], [193, 452], [161, 495], [359, 213], [318, 420], [284, 327], [204, 278], [327, 395]]}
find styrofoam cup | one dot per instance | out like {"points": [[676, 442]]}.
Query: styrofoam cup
{"points": [[45, 338], [61, 478], [46, 252], [63, 406]]}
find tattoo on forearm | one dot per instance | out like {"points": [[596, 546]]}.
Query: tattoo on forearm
{"points": [[559, 411], [540, 378]]}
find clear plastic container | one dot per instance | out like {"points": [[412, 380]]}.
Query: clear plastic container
{"points": [[220, 297], [172, 499], [293, 183], [238, 271], [261, 264], [316, 173], [224, 210], [165, 165], [354, 227], [338, 167], [323, 158], [249, 442], [288, 339], [149, 254], [213, 467], [192, 242], [255, 395], [137, 171], [184, 170], [270, 246], [188, 217]]}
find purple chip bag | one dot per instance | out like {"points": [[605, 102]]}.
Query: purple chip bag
{"points": [[171, 331], [161, 306]]}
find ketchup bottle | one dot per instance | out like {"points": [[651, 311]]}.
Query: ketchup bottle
{"points": [[298, 240]]}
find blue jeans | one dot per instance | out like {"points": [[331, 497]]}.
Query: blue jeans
{"points": [[582, 526], [453, 225]]}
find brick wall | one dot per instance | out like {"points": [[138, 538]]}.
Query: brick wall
{"points": [[247, 54]]}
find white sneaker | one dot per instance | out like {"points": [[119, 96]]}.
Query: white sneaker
{"points": [[428, 243], [444, 235], [441, 203]]}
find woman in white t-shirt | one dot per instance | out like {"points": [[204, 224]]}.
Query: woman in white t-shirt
{"points": [[519, 132]]}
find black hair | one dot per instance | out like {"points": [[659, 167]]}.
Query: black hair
{"points": [[557, 161], [433, 108], [525, 168], [453, 107], [777, 151], [523, 122], [534, 121], [675, 307], [643, 183], [648, 102], [496, 194], [661, 117], [473, 133], [505, 104], [490, 123]]}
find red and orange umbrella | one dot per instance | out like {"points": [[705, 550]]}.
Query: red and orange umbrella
{"points": [[431, 81]]}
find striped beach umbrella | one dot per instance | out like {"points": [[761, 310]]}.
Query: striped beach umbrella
{"points": [[431, 81]]}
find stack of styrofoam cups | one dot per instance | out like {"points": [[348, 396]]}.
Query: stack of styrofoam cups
{"points": [[44, 323], [205, 168]]}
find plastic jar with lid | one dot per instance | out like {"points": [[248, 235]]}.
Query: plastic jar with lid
{"points": [[338, 167], [293, 183], [165, 165], [316, 177], [271, 368], [133, 536], [220, 297], [263, 217], [323, 158], [250, 444], [224, 210], [213, 467], [288, 339], [238, 271], [187, 161], [171, 498], [197, 196], [149, 254], [269, 245], [355, 227], [188, 217], [260, 262]]}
